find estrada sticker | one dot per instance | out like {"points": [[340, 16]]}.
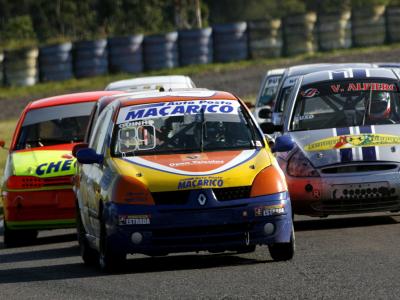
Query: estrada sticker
{"points": [[200, 182], [134, 219], [165, 109], [270, 210], [353, 141]]}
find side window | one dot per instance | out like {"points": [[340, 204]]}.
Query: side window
{"points": [[100, 131]]}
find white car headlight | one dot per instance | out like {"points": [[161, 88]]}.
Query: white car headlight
{"points": [[300, 166]]}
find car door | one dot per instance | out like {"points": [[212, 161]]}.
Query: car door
{"points": [[91, 174]]}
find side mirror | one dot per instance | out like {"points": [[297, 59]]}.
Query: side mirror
{"points": [[265, 113], [89, 156], [270, 128], [2, 143], [283, 143], [78, 147]]}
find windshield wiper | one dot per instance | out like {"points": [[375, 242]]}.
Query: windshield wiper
{"points": [[202, 120]]}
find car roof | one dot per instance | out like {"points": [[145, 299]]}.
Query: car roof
{"points": [[274, 72], [348, 73], [70, 99], [167, 82], [185, 95], [310, 68]]}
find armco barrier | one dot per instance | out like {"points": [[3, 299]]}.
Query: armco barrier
{"points": [[299, 34], [55, 62], [230, 42], [265, 38], [126, 54], [368, 26], [334, 31], [90, 58], [161, 51], [393, 23], [21, 67], [195, 46]]}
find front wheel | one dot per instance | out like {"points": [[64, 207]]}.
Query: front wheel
{"points": [[109, 260], [283, 251]]}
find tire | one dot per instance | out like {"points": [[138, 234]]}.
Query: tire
{"points": [[109, 261], [89, 256], [14, 238], [283, 251]]}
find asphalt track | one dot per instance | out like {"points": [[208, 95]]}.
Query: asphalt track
{"points": [[351, 257]]}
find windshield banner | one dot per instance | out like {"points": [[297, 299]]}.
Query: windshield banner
{"points": [[180, 108]]}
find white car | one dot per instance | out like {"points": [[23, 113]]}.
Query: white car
{"points": [[152, 83]]}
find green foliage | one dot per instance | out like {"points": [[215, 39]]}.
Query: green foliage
{"points": [[329, 6], [18, 32], [367, 3]]}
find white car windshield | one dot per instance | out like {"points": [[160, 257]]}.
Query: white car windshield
{"points": [[183, 127], [346, 103]]}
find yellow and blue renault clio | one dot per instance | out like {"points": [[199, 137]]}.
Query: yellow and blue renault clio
{"points": [[176, 172]]}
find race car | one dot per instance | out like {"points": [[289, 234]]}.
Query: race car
{"points": [[36, 186], [340, 144], [165, 83], [177, 172]]}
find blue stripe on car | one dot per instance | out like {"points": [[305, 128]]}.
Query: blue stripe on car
{"points": [[359, 73], [346, 155], [369, 153]]}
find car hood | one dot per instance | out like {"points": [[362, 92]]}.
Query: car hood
{"points": [[196, 170], [343, 145], [44, 162]]}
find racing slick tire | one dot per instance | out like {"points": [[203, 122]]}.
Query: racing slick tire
{"points": [[283, 251], [109, 261], [89, 256], [14, 238]]}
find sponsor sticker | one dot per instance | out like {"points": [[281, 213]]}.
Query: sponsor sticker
{"points": [[363, 86], [55, 167], [353, 141], [200, 182], [270, 210], [180, 108], [309, 93], [134, 219]]}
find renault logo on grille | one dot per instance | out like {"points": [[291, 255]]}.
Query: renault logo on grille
{"points": [[202, 199]]}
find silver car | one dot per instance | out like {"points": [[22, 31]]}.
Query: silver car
{"points": [[340, 148]]}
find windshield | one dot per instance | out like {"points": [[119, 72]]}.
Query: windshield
{"points": [[346, 103], [54, 125], [183, 127], [269, 89]]}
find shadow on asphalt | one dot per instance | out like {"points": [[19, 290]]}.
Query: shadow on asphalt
{"points": [[337, 223], [132, 266], [44, 240]]}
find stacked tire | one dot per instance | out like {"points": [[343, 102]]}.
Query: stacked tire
{"points": [[195, 46], [368, 26], [161, 51], [55, 62], [265, 38], [125, 54], [334, 31], [299, 34], [393, 23], [90, 58], [21, 67], [230, 42]]}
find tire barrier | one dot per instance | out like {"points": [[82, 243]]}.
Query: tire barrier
{"points": [[368, 26], [126, 54], [195, 46], [265, 38], [299, 34], [161, 51], [21, 67], [230, 42], [334, 31], [393, 23], [90, 58], [55, 62]]}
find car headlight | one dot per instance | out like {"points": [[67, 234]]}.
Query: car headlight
{"points": [[300, 166]]}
